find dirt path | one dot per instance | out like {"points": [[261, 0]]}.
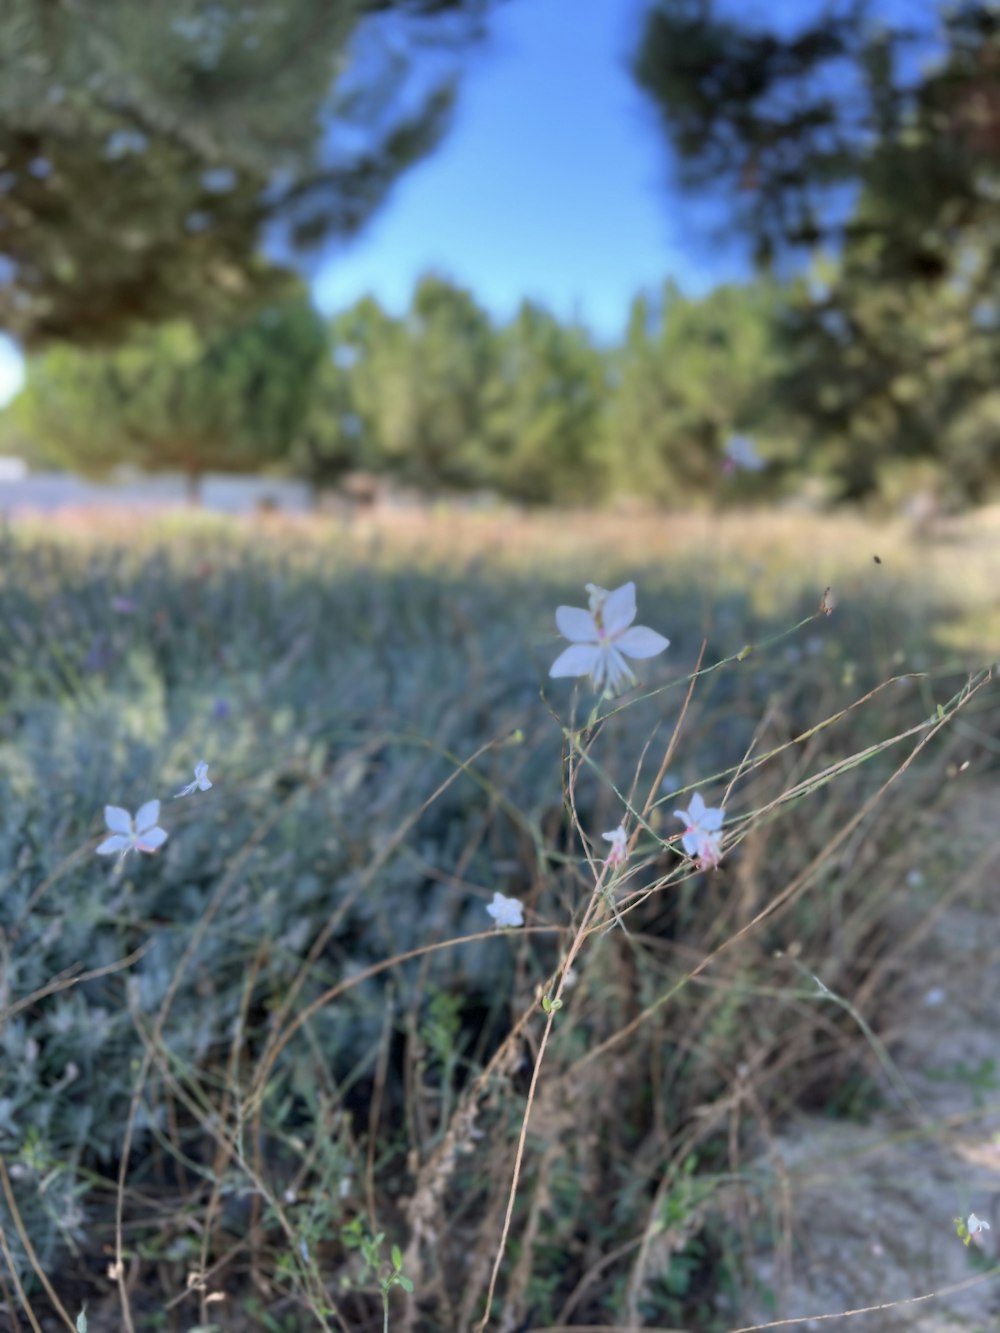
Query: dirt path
{"points": [[866, 1211]]}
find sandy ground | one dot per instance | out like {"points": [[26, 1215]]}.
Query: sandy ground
{"points": [[868, 1210]]}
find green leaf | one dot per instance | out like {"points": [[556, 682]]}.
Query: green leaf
{"points": [[397, 1258]]}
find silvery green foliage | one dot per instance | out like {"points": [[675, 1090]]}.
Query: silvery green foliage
{"points": [[335, 691]]}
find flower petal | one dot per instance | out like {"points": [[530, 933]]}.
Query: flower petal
{"points": [[711, 819], [696, 809], [640, 641], [506, 911], [709, 850], [691, 842], [147, 815], [580, 659], [618, 610], [576, 624], [118, 842], [151, 839], [619, 675], [117, 819]]}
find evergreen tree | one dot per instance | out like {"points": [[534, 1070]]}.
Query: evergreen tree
{"points": [[146, 150], [691, 374], [872, 146], [172, 397]]}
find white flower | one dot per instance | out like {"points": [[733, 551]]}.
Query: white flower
{"points": [[141, 834], [600, 636], [975, 1226], [201, 782], [742, 452], [618, 838], [506, 911], [703, 835]]}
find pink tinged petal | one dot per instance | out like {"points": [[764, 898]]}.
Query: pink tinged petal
{"points": [[619, 675], [151, 839], [576, 624], [117, 819], [118, 842], [710, 850], [618, 851], [618, 610], [581, 659], [640, 641], [147, 815], [691, 842]]}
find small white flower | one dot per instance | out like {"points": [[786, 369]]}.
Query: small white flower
{"points": [[141, 834], [618, 854], [600, 636], [975, 1226], [201, 782], [703, 835], [506, 911], [741, 452]]}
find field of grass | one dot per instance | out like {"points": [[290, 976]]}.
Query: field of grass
{"points": [[285, 1074]]}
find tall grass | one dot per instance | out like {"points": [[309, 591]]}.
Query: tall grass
{"points": [[284, 1070]]}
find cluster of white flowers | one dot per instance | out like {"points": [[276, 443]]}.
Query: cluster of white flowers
{"points": [[143, 833], [601, 638]]}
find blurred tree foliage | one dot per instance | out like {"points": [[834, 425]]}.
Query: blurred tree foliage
{"points": [[445, 398], [146, 150], [174, 398], [868, 139], [691, 374], [549, 403]]}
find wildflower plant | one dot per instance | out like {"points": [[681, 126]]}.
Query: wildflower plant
{"points": [[618, 851], [702, 837], [506, 912], [201, 780], [141, 834], [289, 964], [602, 637]]}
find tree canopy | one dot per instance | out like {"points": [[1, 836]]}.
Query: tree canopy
{"points": [[871, 145], [147, 151], [175, 398]]}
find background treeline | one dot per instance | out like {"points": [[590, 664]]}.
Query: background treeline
{"points": [[446, 398], [857, 147]]}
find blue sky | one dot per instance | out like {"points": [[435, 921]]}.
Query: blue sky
{"points": [[553, 183]]}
